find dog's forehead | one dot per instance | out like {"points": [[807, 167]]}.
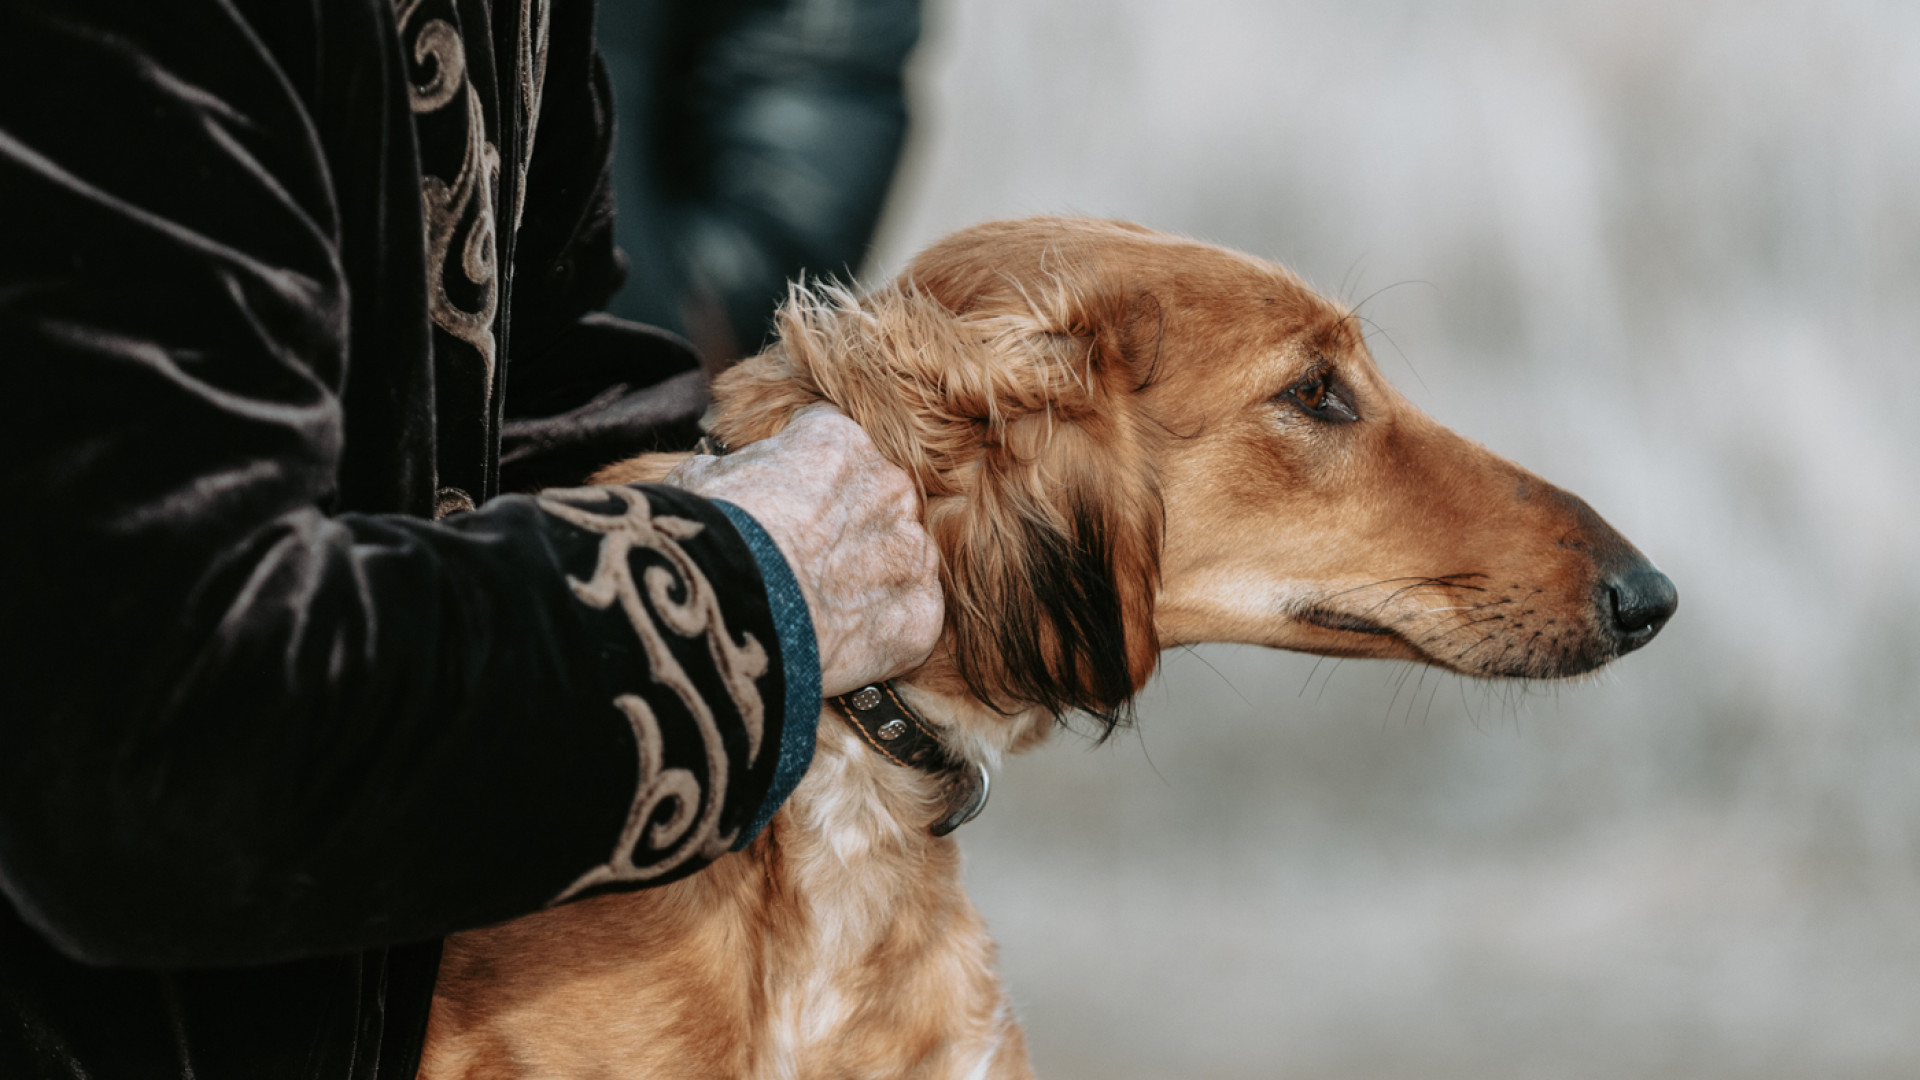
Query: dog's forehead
{"points": [[1222, 285], [1254, 318], [1212, 312]]}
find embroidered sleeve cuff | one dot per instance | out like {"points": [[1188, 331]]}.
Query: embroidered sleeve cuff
{"points": [[800, 660]]}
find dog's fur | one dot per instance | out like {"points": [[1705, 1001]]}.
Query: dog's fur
{"points": [[1117, 436]]}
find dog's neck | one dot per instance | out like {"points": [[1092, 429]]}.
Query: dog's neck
{"points": [[971, 729], [853, 843], [860, 800], [859, 893]]}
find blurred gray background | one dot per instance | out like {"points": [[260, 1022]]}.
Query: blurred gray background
{"points": [[1666, 254]]}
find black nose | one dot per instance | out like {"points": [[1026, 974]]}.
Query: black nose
{"points": [[1643, 599]]}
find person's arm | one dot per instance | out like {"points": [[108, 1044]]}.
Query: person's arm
{"points": [[235, 727]]}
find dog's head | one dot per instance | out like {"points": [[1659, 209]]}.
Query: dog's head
{"points": [[1129, 440]]}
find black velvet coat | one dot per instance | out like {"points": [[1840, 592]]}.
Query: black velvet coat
{"points": [[276, 276]]}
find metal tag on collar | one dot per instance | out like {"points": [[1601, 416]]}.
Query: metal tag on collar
{"points": [[966, 793]]}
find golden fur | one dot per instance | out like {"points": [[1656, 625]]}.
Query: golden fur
{"points": [[1112, 430]]}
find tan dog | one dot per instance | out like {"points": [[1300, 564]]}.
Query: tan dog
{"points": [[1127, 441]]}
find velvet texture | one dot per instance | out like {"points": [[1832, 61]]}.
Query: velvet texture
{"points": [[274, 279]]}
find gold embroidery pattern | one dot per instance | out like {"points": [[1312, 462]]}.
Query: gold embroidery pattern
{"points": [[459, 214], [696, 614], [534, 19]]}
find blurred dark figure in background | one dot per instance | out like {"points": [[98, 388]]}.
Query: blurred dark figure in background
{"points": [[757, 139]]}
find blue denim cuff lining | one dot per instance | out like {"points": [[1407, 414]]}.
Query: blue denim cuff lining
{"points": [[799, 660]]}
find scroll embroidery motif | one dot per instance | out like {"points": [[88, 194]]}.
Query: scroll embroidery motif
{"points": [[534, 17], [695, 614], [459, 214]]}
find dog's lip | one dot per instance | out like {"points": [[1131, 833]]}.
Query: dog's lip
{"points": [[1340, 620]]}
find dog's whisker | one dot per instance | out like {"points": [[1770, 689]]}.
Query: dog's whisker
{"points": [[1318, 660], [1328, 681], [1458, 621], [1191, 651], [1463, 626], [1399, 684], [1402, 353], [1427, 717], [1403, 590], [1416, 579]]}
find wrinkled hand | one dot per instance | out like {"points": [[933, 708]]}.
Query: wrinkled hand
{"points": [[849, 524]]}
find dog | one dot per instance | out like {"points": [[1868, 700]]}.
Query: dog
{"points": [[1126, 441]]}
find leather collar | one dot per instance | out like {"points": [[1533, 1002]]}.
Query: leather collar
{"points": [[889, 725]]}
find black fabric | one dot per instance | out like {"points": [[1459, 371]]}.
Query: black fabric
{"points": [[356, 1015], [267, 731], [593, 408]]}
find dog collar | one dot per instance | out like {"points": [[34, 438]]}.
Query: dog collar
{"points": [[888, 724]]}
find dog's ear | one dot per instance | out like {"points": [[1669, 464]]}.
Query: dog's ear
{"points": [[1019, 424], [1051, 544], [1051, 564]]}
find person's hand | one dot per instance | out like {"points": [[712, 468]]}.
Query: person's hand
{"points": [[849, 525]]}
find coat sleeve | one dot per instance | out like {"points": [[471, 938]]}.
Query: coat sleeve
{"points": [[235, 726]]}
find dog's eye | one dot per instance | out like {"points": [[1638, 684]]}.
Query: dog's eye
{"points": [[1321, 398]]}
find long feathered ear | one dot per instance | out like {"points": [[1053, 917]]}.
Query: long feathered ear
{"points": [[1052, 564], [1020, 425], [1053, 547]]}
